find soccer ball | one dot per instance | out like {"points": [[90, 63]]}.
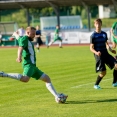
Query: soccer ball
{"points": [[61, 98]]}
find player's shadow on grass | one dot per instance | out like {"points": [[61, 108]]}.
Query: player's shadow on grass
{"points": [[91, 101]]}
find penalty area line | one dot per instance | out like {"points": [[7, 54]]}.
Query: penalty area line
{"points": [[88, 83]]}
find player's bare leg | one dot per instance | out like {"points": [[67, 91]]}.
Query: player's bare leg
{"points": [[114, 46], [37, 47], [60, 44], [51, 42]]}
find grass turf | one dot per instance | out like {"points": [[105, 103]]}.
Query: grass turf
{"points": [[72, 72]]}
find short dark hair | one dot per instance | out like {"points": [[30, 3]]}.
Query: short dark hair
{"points": [[98, 20]]}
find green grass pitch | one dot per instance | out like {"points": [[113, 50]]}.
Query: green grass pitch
{"points": [[72, 72]]}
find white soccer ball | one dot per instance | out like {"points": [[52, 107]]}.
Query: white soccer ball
{"points": [[61, 98]]}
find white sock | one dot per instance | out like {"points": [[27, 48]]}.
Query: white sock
{"points": [[51, 89], [60, 44], [50, 43], [13, 75]]}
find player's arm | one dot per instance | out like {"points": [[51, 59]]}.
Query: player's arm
{"points": [[19, 54], [38, 35], [93, 50], [57, 32], [112, 32], [109, 48], [16, 35]]}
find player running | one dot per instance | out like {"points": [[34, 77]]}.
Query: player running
{"points": [[56, 38]]}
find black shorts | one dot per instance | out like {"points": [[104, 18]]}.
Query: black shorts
{"points": [[103, 60], [39, 41]]}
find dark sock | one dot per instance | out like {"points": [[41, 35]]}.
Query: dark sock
{"points": [[98, 80], [114, 76], [37, 48]]}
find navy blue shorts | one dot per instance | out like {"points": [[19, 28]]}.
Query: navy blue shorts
{"points": [[103, 60]]}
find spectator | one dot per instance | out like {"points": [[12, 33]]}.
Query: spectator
{"points": [[21, 31]]}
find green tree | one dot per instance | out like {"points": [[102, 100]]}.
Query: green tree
{"points": [[20, 17], [84, 14], [76, 10], [94, 11]]}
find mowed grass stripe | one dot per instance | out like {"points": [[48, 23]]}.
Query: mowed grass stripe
{"points": [[67, 67]]}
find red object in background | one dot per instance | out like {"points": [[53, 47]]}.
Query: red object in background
{"points": [[11, 38]]}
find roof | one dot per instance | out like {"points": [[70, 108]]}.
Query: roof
{"points": [[16, 4]]}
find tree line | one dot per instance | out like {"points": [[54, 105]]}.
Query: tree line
{"points": [[19, 15]]}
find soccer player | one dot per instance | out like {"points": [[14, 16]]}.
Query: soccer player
{"points": [[114, 35], [26, 50], [99, 46], [0, 37], [21, 31], [56, 37], [38, 38]]}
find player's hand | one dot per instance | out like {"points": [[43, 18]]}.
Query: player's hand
{"points": [[98, 53], [113, 51], [16, 34], [115, 36], [19, 60]]}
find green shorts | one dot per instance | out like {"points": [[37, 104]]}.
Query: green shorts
{"points": [[32, 71], [114, 39], [57, 38]]}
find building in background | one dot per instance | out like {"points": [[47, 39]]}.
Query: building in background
{"points": [[106, 11]]}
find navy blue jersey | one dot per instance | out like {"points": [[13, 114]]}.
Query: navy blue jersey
{"points": [[99, 40], [38, 32]]}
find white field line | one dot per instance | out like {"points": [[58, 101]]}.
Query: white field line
{"points": [[89, 83]]}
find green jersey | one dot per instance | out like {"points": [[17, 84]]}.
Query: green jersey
{"points": [[114, 27], [56, 33], [28, 53]]}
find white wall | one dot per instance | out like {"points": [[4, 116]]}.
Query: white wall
{"points": [[77, 37], [106, 11], [47, 22]]}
